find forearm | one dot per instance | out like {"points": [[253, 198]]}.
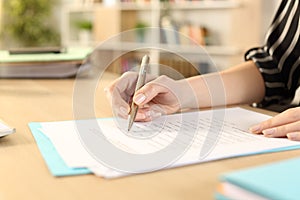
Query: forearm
{"points": [[238, 85]]}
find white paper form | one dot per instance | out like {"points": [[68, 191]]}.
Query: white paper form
{"points": [[216, 134], [64, 137]]}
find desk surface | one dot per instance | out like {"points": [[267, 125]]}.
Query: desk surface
{"points": [[24, 174]]}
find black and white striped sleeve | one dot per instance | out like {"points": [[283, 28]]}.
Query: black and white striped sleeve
{"points": [[278, 60]]}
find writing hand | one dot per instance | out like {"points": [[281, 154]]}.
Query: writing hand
{"points": [[120, 92], [158, 96]]}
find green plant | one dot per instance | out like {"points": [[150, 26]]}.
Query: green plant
{"points": [[141, 25], [84, 25], [28, 22], [140, 29]]}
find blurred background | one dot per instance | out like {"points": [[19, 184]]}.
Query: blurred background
{"points": [[225, 28]]}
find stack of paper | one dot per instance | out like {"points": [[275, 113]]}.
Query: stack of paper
{"points": [[44, 65], [194, 138]]}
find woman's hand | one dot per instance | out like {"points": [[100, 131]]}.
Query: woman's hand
{"points": [[158, 96], [285, 124], [120, 93]]}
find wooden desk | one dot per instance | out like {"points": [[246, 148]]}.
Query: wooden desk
{"points": [[24, 174]]}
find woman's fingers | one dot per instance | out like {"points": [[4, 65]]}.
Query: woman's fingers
{"points": [[288, 116], [149, 112], [120, 93], [294, 136], [148, 92], [282, 125], [283, 130]]}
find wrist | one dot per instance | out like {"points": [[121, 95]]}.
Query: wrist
{"points": [[186, 95]]}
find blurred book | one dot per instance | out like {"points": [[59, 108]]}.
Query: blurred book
{"points": [[279, 180], [169, 30], [20, 63]]}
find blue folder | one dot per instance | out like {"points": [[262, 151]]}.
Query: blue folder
{"points": [[53, 160], [279, 180]]}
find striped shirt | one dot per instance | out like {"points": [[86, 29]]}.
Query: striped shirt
{"points": [[278, 60]]}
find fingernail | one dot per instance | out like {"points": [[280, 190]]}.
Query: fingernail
{"points": [[152, 114], [269, 132], [156, 115], [255, 129], [293, 136], [148, 113], [139, 98], [140, 116], [123, 110]]}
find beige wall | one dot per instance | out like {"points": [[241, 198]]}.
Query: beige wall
{"points": [[269, 8]]}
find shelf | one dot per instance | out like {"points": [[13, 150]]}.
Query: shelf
{"points": [[208, 4], [138, 6], [183, 49], [131, 6], [80, 8]]}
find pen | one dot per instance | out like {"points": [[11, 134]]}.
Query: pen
{"points": [[140, 82]]}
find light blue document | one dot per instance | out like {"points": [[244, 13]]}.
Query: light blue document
{"points": [[279, 180], [53, 160]]}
